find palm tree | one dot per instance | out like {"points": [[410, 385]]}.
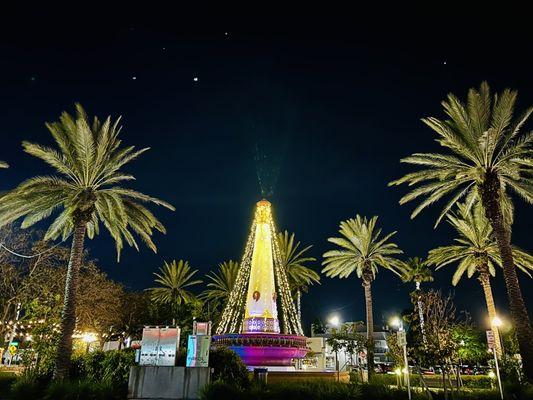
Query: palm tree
{"points": [[221, 282], [476, 252], [487, 155], [416, 270], [84, 192], [174, 281], [293, 259], [362, 250]]}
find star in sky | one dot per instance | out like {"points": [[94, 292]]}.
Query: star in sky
{"points": [[195, 79]]}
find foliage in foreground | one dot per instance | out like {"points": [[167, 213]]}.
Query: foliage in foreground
{"points": [[111, 367], [323, 390], [228, 368], [66, 390]]}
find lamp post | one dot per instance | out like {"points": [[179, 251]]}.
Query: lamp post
{"points": [[88, 338], [497, 323], [335, 322], [402, 341], [492, 347]]}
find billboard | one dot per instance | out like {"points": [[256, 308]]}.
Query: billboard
{"points": [[198, 350], [159, 346]]}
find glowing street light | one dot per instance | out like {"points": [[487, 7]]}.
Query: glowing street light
{"points": [[334, 321], [402, 341], [497, 322], [397, 323], [88, 338]]}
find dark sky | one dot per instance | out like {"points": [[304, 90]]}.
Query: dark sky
{"points": [[332, 102]]}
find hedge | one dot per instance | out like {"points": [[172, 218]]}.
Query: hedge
{"points": [[434, 381]]}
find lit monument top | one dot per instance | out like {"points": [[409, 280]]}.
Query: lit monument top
{"points": [[261, 288], [261, 297]]}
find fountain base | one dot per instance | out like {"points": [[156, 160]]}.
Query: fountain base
{"points": [[259, 349]]}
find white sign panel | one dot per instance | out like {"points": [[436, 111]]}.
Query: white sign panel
{"points": [[402, 338], [198, 350], [159, 346], [490, 339]]}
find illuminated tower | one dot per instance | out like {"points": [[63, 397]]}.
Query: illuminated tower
{"points": [[261, 288], [259, 321]]}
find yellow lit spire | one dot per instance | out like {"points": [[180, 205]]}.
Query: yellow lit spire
{"points": [[261, 313], [261, 288]]}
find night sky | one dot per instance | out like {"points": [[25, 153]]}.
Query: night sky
{"points": [[320, 108]]}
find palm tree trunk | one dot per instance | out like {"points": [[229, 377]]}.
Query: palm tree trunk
{"points": [[367, 285], [420, 312], [490, 195], [484, 278], [299, 304], [68, 314]]}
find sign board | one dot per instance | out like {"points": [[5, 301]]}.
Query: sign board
{"points": [[168, 346], [112, 345], [490, 339], [402, 338], [12, 349], [159, 346], [201, 328], [198, 350]]}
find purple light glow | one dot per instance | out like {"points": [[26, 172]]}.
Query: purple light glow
{"points": [[264, 349]]}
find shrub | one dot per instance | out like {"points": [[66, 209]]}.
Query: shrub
{"points": [[220, 390], [83, 390], [26, 388], [313, 390], [111, 367], [228, 367]]}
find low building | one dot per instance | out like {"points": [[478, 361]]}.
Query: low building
{"points": [[322, 357]]}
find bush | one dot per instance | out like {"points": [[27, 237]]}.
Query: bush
{"points": [[313, 390], [228, 367], [220, 390], [434, 381], [83, 390], [325, 390], [26, 388], [6, 380], [110, 367]]}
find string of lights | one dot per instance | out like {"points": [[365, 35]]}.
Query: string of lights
{"points": [[234, 311]]}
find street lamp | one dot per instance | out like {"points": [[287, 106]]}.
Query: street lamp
{"points": [[334, 321], [402, 341], [88, 338]]}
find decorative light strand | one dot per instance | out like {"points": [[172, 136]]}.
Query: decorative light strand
{"points": [[233, 313]]}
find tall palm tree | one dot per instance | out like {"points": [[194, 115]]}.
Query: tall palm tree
{"points": [[362, 250], [293, 259], [175, 280], [84, 192], [487, 155], [221, 282], [416, 270], [476, 253]]}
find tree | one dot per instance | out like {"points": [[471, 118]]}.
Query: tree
{"points": [[488, 155], [88, 164], [476, 253], [440, 319], [174, 279], [363, 251], [416, 270], [221, 282], [472, 343], [294, 260]]}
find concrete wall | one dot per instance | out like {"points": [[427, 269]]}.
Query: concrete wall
{"points": [[162, 383]]}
